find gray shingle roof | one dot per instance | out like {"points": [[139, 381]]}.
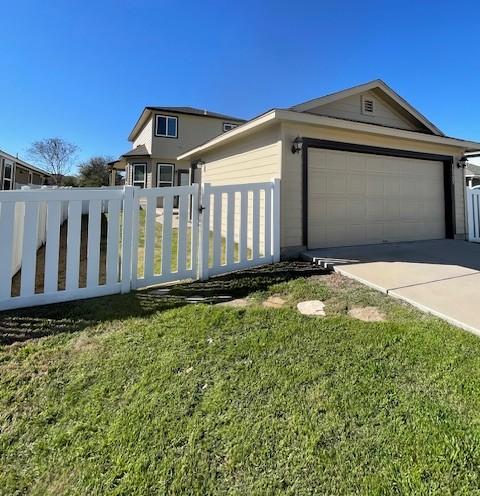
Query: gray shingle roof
{"points": [[473, 169], [195, 111], [140, 151]]}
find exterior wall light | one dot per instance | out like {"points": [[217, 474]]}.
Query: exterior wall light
{"points": [[462, 163], [297, 145]]}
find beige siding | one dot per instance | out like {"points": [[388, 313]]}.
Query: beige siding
{"points": [[256, 158], [192, 130], [145, 136], [291, 204], [386, 114]]}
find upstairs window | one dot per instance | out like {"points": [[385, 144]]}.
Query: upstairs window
{"points": [[166, 126], [228, 126]]}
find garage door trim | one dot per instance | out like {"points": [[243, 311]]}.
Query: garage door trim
{"points": [[388, 152]]}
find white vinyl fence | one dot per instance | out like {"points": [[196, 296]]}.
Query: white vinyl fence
{"points": [[101, 241], [473, 207]]}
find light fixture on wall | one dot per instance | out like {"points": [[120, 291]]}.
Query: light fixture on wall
{"points": [[297, 145], [462, 163]]}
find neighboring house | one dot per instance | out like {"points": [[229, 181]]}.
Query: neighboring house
{"points": [[360, 166], [15, 173], [159, 136], [472, 173]]}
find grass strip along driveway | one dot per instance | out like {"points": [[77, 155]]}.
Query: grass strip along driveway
{"points": [[142, 394]]}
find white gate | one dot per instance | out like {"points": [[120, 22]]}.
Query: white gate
{"points": [[165, 235], [108, 240], [473, 207]]}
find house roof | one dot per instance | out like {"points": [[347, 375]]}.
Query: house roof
{"points": [[282, 115], [472, 169], [140, 151], [376, 84], [24, 164], [178, 110]]}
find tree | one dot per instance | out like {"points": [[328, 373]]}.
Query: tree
{"points": [[94, 172], [70, 181], [55, 155]]}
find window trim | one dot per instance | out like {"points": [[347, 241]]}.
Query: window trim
{"points": [[170, 183], [233, 126], [159, 135], [144, 165]]}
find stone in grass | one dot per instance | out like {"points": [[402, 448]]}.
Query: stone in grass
{"points": [[274, 302], [367, 314], [237, 303], [312, 307]]}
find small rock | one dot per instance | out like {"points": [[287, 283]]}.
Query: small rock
{"points": [[274, 302], [238, 303], [367, 314], [312, 307]]}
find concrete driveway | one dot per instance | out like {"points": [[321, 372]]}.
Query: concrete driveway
{"points": [[441, 277]]}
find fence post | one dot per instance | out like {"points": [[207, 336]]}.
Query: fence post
{"points": [[203, 246], [276, 219], [126, 268]]}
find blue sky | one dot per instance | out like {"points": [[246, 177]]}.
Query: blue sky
{"points": [[84, 70]]}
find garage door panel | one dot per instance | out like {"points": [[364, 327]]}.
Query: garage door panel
{"points": [[374, 199]]}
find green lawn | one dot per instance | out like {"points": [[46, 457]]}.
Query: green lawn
{"points": [[137, 394]]}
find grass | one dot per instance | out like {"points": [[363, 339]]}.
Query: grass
{"points": [[141, 394]]}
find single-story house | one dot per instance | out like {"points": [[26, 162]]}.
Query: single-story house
{"points": [[472, 171], [15, 173], [361, 166]]}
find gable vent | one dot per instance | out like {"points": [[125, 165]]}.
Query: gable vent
{"points": [[368, 106]]}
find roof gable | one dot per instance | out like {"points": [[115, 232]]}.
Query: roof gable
{"points": [[391, 110]]}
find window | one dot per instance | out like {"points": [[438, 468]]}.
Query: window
{"points": [[139, 175], [228, 126], [7, 175], [30, 178], [166, 126], [165, 175]]}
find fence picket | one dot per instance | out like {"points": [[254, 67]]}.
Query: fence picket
{"points": [[230, 243], [73, 244], [93, 244], [150, 234], [167, 235], [268, 223], [183, 202], [52, 247], [7, 218], [256, 224], [29, 250], [113, 239], [217, 228]]}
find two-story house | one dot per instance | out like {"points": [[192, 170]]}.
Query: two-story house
{"points": [[160, 135]]}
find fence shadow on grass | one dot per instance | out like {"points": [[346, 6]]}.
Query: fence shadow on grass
{"points": [[22, 325]]}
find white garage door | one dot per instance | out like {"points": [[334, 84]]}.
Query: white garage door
{"points": [[357, 198]]}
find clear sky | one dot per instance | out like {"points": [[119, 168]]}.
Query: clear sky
{"points": [[83, 70]]}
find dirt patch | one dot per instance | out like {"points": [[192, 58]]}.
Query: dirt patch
{"points": [[237, 303], [62, 261], [367, 314]]}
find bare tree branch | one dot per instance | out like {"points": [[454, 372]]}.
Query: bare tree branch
{"points": [[55, 155]]}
